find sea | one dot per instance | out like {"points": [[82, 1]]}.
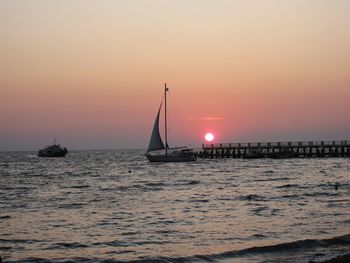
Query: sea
{"points": [[115, 206]]}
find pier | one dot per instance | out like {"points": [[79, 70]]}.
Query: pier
{"points": [[300, 149]]}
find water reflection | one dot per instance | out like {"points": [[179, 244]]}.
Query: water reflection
{"points": [[89, 204]]}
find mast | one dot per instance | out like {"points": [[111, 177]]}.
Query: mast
{"points": [[166, 128]]}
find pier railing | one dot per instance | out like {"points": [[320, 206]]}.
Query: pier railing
{"points": [[277, 144]]}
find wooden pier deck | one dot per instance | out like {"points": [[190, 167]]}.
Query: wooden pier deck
{"points": [[300, 149]]}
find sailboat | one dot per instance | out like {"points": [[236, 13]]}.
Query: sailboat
{"points": [[157, 151]]}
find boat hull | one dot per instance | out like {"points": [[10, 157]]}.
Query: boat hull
{"points": [[171, 158], [52, 154], [60, 153]]}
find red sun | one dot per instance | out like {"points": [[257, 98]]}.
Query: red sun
{"points": [[209, 137]]}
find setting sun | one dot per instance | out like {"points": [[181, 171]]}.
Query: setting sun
{"points": [[209, 137]]}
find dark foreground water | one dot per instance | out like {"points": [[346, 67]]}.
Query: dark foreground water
{"points": [[112, 206]]}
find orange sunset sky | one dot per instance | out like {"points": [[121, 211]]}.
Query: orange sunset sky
{"points": [[91, 73]]}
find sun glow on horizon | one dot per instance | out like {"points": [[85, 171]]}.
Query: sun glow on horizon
{"points": [[209, 137], [235, 69]]}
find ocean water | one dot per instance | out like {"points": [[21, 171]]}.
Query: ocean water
{"points": [[115, 206]]}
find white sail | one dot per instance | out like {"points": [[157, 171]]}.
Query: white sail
{"points": [[156, 142]]}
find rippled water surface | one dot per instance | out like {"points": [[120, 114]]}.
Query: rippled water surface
{"points": [[116, 206]]}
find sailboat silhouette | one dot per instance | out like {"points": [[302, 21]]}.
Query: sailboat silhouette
{"points": [[157, 152]]}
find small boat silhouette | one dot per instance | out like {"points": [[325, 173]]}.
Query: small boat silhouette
{"points": [[54, 150]]}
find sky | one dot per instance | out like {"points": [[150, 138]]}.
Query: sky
{"points": [[91, 73]]}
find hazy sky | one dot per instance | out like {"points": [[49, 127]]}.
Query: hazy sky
{"points": [[91, 73]]}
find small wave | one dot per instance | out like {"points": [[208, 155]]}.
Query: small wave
{"points": [[130, 233], [338, 259], [142, 187], [119, 252], [121, 188], [79, 186], [155, 184], [292, 196], [199, 201], [190, 182], [4, 248], [260, 209], [35, 260], [117, 243], [259, 236], [273, 179], [252, 197], [300, 244], [193, 182], [338, 201], [67, 245], [318, 194], [9, 188], [114, 243], [71, 206], [19, 241], [287, 186], [71, 260], [107, 224], [5, 217], [283, 247]]}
